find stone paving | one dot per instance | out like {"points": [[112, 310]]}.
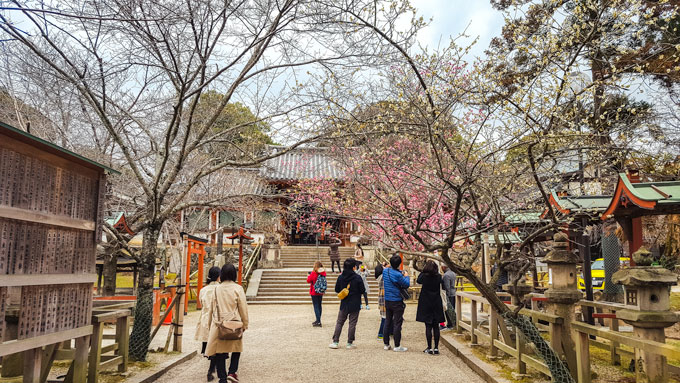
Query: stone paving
{"points": [[282, 346]]}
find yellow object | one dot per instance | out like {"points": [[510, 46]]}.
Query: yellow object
{"points": [[344, 293], [597, 273]]}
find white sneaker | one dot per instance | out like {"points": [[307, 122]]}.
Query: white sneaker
{"points": [[350, 346], [333, 345], [387, 347], [367, 308], [400, 349]]}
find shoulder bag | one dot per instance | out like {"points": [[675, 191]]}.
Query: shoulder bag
{"points": [[405, 295], [227, 329], [344, 293]]}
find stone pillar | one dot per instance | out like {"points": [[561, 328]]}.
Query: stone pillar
{"points": [[270, 258], [562, 295], [647, 300]]}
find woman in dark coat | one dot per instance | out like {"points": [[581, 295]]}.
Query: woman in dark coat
{"points": [[430, 309]]}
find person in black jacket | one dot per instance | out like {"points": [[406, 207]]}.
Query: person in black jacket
{"points": [[430, 309], [351, 305]]}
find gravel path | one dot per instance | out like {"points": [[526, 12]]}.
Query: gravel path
{"points": [[282, 346]]}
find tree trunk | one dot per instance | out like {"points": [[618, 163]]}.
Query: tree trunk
{"points": [[109, 272], [141, 330], [558, 369]]}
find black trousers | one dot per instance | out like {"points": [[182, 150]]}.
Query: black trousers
{"points": [[211, 369], [333, 266], [221, 364], [450, 311], [394, 318], [431, 328]]}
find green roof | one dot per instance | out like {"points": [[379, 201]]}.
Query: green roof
{"points": [[581, 204], [519, 217], [664, 192], [505, 238], [50, 147]]}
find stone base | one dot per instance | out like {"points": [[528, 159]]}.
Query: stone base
{"points": [[263, 264]]}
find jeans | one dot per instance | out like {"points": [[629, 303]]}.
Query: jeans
{"points": [[316, 302], [394, 318], [382, 327], [342, 317], [333, 266], [221, 361]]}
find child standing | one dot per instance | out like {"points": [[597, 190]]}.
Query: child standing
{"points": [[364, 274]]}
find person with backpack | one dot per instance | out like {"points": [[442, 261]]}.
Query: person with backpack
{"points": [[430, 308], [317, 288], [394, 281], [350, 288]]}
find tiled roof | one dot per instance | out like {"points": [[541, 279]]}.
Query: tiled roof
{"points": [[246, 181], [301, 163]]}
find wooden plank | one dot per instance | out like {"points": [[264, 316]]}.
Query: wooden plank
{"points": [[582, 357], [32, 365], [519, 346], [108, 316], [48, 358], [123, 341], [505, 348], [15, 346], [95, 353], [110, 361], [109, 348], [650, 346], [79, 365], [536, 364], [473, 322], [47, 279], [493, 332], [46, 219]]}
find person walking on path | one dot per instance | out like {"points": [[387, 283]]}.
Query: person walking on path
{"points": [[229, 303], [381, 296], [394, 281], [363, 273], [203, 327], [430, 309], [315, 291], [334, 253], [351, 305], [359, 255], [449, 285]]}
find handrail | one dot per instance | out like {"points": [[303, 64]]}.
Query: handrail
{"points": [[382, 256], [251, 262], [650, 346]]}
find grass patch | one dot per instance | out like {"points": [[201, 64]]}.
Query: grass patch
{"points": [[675, 301]]}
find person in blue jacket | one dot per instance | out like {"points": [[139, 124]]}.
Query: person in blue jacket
{"points": [[394, 280]]}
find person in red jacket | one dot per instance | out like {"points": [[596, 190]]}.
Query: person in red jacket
{"points": [[313, 276]]}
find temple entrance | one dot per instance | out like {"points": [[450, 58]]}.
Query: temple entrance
{"points": [[305, 230]]}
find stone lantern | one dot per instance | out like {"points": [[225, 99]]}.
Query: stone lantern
{"points": [[563, 294], [647, 300]]}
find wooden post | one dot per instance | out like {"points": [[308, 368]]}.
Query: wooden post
{"points": [[493, 332], [240, 259], [187, 288], [519, 345], [459, 314], [582, 357], [473, 323], [79, 366], [32, 365], [199, 285], [95, 353], [534, 307], [178, 318], [123, 339], [47, 359], [614, 326]]}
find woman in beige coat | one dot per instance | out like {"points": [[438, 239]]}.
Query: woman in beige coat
{"points": [[230, 301], [206, 298]]}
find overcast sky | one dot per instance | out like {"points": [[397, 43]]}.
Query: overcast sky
{"points": [[452, 17]]}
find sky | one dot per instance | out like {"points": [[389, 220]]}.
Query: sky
{"points": [[452, 17]]}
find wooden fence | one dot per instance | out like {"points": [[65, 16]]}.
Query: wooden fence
{"points": [[506, 339]]}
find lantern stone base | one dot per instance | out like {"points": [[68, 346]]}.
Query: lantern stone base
{"points": [[270, 257], [567, 297], [648, 319]]}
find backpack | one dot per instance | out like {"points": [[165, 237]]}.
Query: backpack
{"points": [[320, 285]]}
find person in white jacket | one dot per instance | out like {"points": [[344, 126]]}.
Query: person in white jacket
{"points": [[206, 298]]}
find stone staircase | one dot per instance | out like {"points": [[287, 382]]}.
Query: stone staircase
{"points": [[289, 285]]}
